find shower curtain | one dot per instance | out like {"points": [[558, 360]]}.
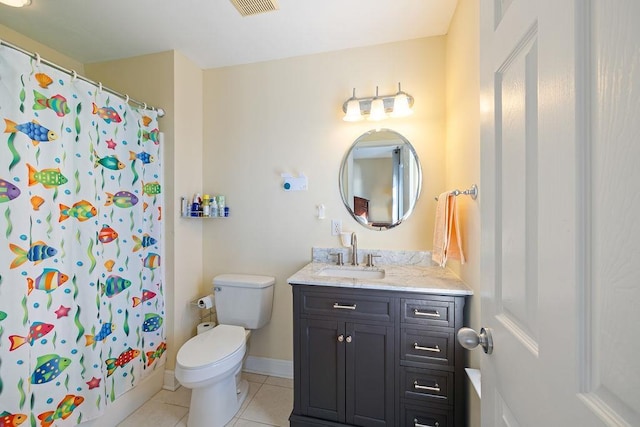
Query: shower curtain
{"points": [[81, 284]]}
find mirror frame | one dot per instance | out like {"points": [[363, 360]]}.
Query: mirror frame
{"points": [[415, 196]]}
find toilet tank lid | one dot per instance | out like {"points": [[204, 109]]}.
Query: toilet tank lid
{"points": [[244, 280]]}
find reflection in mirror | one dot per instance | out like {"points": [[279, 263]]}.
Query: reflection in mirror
{"points": [[380, 179]]}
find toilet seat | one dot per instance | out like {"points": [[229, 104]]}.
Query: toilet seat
{"points": [[212, 347]]}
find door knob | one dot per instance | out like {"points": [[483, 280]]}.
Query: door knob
{"points": [[470, 339]]}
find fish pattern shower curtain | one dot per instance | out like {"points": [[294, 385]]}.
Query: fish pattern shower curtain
{"points": [[81, 289]]}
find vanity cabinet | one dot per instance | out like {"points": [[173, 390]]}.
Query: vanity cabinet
{"points": [[376, 358]]}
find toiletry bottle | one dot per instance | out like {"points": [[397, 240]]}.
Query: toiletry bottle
{"points": [[206, 208], [195, 205], [214, 207], [184, 210]]}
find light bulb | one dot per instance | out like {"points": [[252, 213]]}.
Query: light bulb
{"points": [[401, 106], [16, 3], [353, 113], [377, 109]]}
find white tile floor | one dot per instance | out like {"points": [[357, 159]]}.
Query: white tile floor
{"points": [[269, 403]]}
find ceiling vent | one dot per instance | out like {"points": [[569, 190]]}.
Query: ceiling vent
{"points": [[254, 7]]}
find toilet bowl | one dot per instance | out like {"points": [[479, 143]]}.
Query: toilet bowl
{"points": [[211, 362], [210, 365]]}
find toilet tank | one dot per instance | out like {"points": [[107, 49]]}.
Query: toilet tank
{"points": [[243, 299]]}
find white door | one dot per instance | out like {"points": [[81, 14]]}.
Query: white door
{"points": [[560, 207]]}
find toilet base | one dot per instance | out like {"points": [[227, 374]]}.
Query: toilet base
{"points": [[215, 405]]}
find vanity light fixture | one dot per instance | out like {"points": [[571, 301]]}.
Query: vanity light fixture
{"points": [[16, 3], [377, 107]]}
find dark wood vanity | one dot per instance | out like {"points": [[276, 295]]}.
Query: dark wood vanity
{"points": [[368, 357]]}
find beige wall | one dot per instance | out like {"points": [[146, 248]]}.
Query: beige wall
{"points": [[21, 41], [463, 155], [172, 82], [286, 116]]}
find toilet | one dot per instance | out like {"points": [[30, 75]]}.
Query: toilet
{"points": [[211, 362]]}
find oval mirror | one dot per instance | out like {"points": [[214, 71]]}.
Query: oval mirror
{"points": [[380, 179]]}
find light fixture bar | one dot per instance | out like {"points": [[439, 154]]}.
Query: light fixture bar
{"points": [[365, 103]]}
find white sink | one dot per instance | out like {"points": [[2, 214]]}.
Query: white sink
{"points": [[353, 272]]}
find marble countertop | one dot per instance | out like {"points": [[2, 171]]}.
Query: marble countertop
{"points": [[408, 278]]}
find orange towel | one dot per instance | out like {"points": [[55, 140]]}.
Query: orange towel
{"points": [[447, 241]]}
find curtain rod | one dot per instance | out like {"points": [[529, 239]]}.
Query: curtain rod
{"points": [[74, 74]]}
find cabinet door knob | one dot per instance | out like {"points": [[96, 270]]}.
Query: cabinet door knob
{"points": [[340, 338], [349, 338]]}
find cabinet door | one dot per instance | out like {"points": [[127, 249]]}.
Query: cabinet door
{"points": [[369, 375], [322, 368]]}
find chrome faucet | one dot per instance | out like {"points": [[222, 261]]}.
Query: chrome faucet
{"points": [[354, 251]]}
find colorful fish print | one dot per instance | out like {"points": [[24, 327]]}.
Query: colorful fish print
{"points": [[11, 420], [107, 234], [8, 191], [33, 130], [156, 354], [124, 358], [145, 242], [82, 211], [152, 322], [36, 331], [114, 285], [102, 335], [151, 188], [3, 315], [50, 280], [152, 261], [43, 80], [108, 114], [57, 103], [37, 253], [48, 367], [64, 410], [122, 199], [108, 264], [146, 296], [109, 162], [154, 136], [146, 120], [145, 157], [49, 178], [36, 202]]}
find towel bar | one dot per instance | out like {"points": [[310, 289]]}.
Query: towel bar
{"points": [[473, 192]]}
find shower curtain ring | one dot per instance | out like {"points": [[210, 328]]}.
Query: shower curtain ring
{"points": [[126, 98], [74, 75], [144, 105], [38, 59]]}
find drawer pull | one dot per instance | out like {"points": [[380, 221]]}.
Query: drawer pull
{"points": [[340, 338], [339, 306], [417, 424], [424, 387], [434, 313], [435, 349]]}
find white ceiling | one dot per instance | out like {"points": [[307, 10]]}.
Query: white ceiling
{"points": [[213, 34]]}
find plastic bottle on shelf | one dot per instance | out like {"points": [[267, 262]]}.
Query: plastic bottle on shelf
{"points": [[214, 207], [206, 208], [195, 205]]}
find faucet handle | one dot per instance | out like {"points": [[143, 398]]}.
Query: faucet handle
{"points": [[340, 260], [370, 261]]}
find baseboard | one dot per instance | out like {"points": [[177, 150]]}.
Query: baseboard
{"points": [[266, 366], [170, 381]]}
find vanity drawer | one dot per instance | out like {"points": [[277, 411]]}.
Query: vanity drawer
{"points": [[423, 346], [415, 416], [439, 312], [349, 306], [427, 385]]}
